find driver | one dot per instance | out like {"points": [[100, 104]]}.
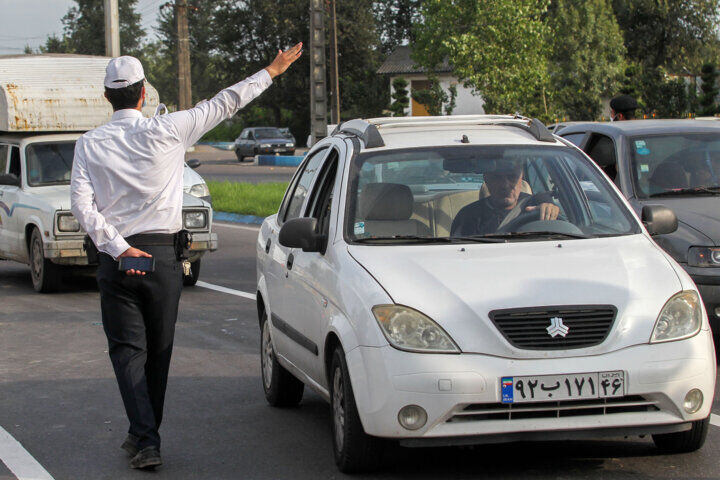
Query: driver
{"points": [[505, 203]]}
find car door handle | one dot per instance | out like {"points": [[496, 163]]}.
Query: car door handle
{"points": [[290, 260], [267, 245]]}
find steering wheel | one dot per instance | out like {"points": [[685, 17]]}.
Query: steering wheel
{"points": [[522, 219]]}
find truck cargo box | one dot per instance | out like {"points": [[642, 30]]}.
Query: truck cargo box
{"points": [[56, 93]]}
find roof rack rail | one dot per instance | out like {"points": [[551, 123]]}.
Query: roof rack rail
{"points": [[365, 131], [534, 127]]}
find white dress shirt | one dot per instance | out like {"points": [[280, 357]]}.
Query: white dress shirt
{"points": [[127, 175]]}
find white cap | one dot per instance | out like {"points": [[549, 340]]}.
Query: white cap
{"points": [[123, 71]]}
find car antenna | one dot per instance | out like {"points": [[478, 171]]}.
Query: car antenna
{"points": [[464, 139]]}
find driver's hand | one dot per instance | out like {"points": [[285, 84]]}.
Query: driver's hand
{"points": [[548, 211]]}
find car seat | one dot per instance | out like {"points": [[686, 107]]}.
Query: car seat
{"points": [[386, 209]]}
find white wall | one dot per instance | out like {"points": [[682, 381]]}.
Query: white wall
{"points": [[466, 103]]}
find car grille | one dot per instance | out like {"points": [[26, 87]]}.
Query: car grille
{"points": [[568, 408], [527, 327]]}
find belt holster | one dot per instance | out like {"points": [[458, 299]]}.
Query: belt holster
{"points": [[182, 244], [90, 250]]}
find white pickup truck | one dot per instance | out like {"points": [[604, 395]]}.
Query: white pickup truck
{"points": [[46, 103]]}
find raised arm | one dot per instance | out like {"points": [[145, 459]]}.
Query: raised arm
{"points": [[194, 123]]}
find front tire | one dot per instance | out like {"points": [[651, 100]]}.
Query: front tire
{"points": [[46, 276], [683, 442], [281, 388], [355, 450], [240, 156], [190, 280]]}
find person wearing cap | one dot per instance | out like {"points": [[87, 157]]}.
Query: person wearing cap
{"points": [[505, 203], [623, 107], [126, 192]]}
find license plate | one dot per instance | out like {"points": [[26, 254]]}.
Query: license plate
{"points": [[278, 150], [549, 388]]}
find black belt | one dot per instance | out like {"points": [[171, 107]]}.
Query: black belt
{"points": [[152, 240]]}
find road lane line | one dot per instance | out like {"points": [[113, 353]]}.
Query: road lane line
{"points": [[19, 461], [218, 288], [715, 420], [240, 227]]}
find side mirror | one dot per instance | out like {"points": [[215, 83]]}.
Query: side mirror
{"points": [[659, 220], [193, 163], [301, 233], [9, 179]]}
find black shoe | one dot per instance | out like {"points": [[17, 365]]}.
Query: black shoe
{"points": [[130, 445], [147, 458]]}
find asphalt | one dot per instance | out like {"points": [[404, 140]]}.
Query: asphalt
{"points": [[59, 399], [222, 165]]}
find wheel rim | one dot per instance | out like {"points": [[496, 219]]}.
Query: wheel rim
{"points": [[37, 259], [338, 408], [266, 357]]}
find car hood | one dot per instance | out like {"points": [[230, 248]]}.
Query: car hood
{"points": [[57, 197], [699, 213], [190, 178], [459, 285]]}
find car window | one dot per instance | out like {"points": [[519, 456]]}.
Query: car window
{"points": [[574, 138], [601, 149], [301, 184], [404, 195], [244, 135], [261, 133], [14, 161], [4, 157], [49, 163], [250, 136], [319, 205]]}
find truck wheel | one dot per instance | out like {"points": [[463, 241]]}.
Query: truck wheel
{"points": [[46, 276], [355, 450], [190, 280], [281, 388], [240, 156], [683, 442]]}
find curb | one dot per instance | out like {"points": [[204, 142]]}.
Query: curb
{"points": [[278, 160], [237, 218]]}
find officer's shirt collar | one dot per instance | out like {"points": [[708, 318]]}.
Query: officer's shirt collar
{"points": [[126, 113]]}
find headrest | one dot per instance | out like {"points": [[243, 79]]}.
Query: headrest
{"points": [[669, 175], [386, 201]]}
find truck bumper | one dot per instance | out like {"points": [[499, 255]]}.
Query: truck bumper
{"points": [[201, 243], [66, 251]]}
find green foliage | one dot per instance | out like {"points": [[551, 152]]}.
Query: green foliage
{"points": [[400, 97], [261, 199], [587, 56], [394, 22], [434, 98], [662, 97], [498, 48], [709, 89], [629, 82]]}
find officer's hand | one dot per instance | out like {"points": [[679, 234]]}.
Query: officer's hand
{"points": [[284, 60], [134, 252], [548, 211]]}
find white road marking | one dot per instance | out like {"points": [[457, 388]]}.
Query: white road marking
{"points": [[19, 461], [218, 288], [715, 420], [240, 227]]}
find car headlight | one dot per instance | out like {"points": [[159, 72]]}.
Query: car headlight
{"points": [[66, 222], [408, 329], [199, 190], [289, 144], [265, 145], [194, 219], [704, 257], [681, 317]]}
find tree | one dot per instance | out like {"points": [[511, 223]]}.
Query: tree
{"points": [[498, 48], [435, 99], [400, 97], [709, 89], [394, 22], [587, 56], [84, 30]]}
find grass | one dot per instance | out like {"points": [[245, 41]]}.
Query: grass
{"points": [[260, 199]]}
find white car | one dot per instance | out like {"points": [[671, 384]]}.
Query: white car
{"points": [[500, 327], [36, 225]]}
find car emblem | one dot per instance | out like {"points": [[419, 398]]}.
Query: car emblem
{"points": [[557, 327]]}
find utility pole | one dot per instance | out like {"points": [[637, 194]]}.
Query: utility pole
{"points": [[112, 28], [318, 88], [334, 76], [183, 53]]}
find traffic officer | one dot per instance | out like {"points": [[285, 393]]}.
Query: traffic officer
{"points": [[127, 190], [623, 107]]}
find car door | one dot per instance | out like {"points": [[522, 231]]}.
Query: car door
{"points": [[12, 197], [602, 149], [4, 207], [282, 309], [311, 276]]}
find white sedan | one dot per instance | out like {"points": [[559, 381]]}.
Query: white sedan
{"points": [[465, 280]]}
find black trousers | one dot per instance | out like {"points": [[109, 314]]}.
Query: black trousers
{"points": [[139, 315]]}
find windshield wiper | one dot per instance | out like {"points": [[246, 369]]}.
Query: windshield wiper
{"points": [[538, 234], [419, 239], [688, 191]]}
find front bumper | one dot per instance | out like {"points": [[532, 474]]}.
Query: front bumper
{"points": [[201, 243], [385, 380], [274, 150]]}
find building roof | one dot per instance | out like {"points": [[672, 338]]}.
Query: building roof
{"points": [[399, 61]]}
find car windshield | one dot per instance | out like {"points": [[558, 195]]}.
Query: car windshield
{"points": [[677, 164], [49, 163], [480, 194], [268, 133]]}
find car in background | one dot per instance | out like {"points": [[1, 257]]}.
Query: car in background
{"points": [[288, 134], [262, 141], [675, 163], [541, 329]]}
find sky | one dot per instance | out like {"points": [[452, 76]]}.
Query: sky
{"points": [[29, 22]]}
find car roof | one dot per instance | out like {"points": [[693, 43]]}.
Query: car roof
{"points": [[645, 127]]}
